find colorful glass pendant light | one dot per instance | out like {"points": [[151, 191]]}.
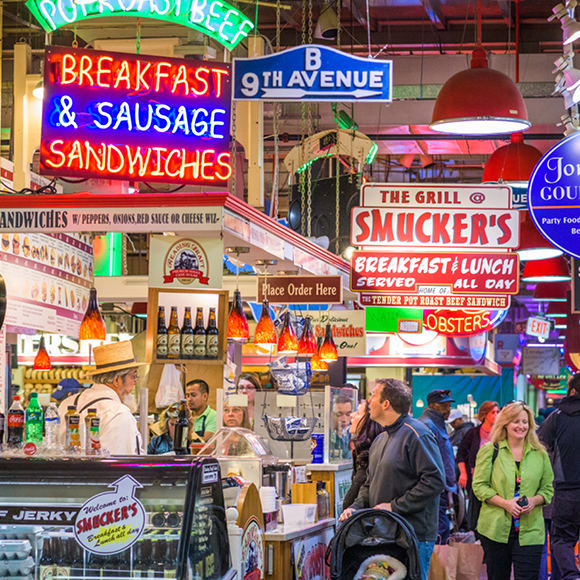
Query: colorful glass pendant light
{"points": [[307, 344], [265, 334], [551, 270], [551, 291], [479, 101], [93, 325], [238, 328], [328, 351], [287, 341], [42, 359], [316, 362]]}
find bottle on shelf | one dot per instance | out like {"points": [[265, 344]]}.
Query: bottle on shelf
{"points": [[94, 566], [173, 336], [15, 423], [33, 420], [187, 336], [62, 558], [73, 429], [140, 566], [92, 437], [52, 427], [76, 561], [180, 440], [46, 562], [2, 424], [156, 560], [171, 560], [199, 339], [212, 333], [162, 337], [111, 566], [125, 564]]}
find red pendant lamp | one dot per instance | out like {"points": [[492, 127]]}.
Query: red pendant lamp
{"points": [[93, 325], [238, 328], [287, 341], [328, 351], [551, 270], [533, 245], [265, 334], [557, 310], [307, 344], [479, 101], [513, 163], [551, 291], [42, 359], [316, 362]]}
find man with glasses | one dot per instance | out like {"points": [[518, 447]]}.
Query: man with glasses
{"points": [[115, 376]]}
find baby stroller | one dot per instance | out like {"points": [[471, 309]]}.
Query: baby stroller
{"points": [[374, 544]]}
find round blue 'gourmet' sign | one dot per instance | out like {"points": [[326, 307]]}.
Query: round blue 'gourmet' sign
{"points": [[554, 195]]}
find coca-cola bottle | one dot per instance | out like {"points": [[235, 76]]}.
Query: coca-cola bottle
{"points": [[15, 423]]}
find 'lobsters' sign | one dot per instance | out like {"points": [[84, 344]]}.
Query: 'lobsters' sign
{"points": [[218, 19], [133, 117]]}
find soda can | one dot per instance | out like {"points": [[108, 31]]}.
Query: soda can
{"points": [[317, 447]]}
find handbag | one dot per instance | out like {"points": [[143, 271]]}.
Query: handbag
{"points": [[474, 504]]}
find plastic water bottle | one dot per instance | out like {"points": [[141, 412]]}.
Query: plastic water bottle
{"points": [[52, 427], [34, 420]]}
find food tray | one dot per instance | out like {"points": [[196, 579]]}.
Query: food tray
{"points": [[16, 567], [290, 428], [10, 549], [294, 380]]}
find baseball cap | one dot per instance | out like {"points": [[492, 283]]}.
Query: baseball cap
{"points": [[65, 388], [439, 396], [455, 414]]}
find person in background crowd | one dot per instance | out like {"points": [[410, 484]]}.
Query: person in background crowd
{"points": [[115, 375], [434, 417], [164, 443], [248, 384], [405, 473], [66, 388], [205, 418], [340, 434], [460, 427], [473, 441], [363, 431], [512, 468], [235, 416], [561, 435]]}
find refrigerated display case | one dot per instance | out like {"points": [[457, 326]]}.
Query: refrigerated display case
{"points": [[122, 517]]}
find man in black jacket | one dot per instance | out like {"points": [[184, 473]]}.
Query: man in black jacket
{"points": [[405, 472], [560, 433]]}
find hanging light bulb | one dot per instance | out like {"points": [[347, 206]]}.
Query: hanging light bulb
{"points": [[93, 325], [42, 359], [237, 322], [307, 343], [287, 341], [328, 351], [265, 335], [316, 363], [238, 328]]}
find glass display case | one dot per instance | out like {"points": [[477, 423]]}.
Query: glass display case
{"points": [[339, 404], [240, 452], [123, 517]]}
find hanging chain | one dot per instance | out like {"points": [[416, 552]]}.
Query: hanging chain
{"points": [[303, 157], [276, 180], [310, 132], [337, 209], [138, 46], [75, 42], [233, 148], [277, 25], [338, 10]]}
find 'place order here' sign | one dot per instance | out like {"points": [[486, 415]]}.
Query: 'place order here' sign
{"points": [[135, 117]]}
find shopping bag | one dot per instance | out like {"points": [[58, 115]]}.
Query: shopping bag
{"points": [[170, 390], [443, 563], [469, 560]]}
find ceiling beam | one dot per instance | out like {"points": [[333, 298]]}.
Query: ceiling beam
{"points": [[355, 11], [504, 6], [433, 10]]}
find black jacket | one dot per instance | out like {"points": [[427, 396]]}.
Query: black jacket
{"points": [[468, 450], [405, 470], [458, 434], [360, 463], [560, 433]]}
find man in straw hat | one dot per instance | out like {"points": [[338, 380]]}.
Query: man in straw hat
{"points": [[115, 376]]}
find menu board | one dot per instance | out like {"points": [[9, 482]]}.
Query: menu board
{"points": [[48, 278]]}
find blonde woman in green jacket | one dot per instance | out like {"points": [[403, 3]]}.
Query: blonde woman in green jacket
{"points": [[512, 490]]}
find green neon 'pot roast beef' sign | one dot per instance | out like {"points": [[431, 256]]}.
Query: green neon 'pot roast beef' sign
{"points": [[216, 18]]}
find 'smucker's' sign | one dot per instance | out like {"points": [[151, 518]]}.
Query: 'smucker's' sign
{"points": [[134, 117]]}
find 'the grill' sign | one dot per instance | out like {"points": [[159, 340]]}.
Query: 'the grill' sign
{"points": [[113, 521]]}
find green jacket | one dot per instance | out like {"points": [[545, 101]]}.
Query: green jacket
{"points": [[537, 476]]}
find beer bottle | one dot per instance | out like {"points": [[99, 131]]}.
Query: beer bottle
{"points": [[46, 563], [125, 564], [76, 562], [187, 335], [63, 564], [174, 336], [199, 339], [212, 336], [171, 560], [161, 334], [180, 441]]}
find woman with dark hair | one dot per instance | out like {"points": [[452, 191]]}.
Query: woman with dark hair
{"points": [[363, 431], [248, 384]]}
